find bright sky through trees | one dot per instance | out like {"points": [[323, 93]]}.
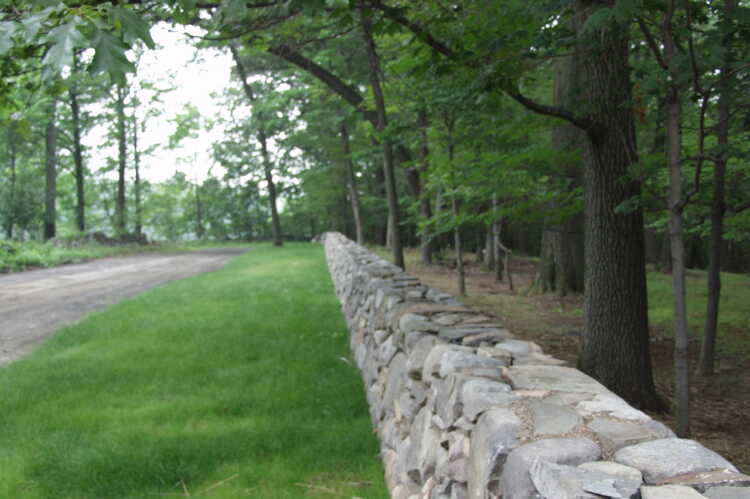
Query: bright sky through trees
{"points": [[194, 75]]}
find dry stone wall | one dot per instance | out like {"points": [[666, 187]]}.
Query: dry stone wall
{"points": [[465, 410]]}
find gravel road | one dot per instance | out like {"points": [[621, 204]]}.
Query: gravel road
{"points": [[35, 304]]}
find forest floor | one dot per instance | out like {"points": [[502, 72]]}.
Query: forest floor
{"points": [[720, 404]]}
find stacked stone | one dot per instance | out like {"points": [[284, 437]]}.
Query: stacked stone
{"points": [[465, 410]]}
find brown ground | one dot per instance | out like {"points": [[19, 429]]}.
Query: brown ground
{"points": [[720, 404]]}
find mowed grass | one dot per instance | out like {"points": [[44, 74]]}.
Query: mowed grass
{"points": [[236, 383]]}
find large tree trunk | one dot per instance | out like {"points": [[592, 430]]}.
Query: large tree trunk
{"points": [[615, 348], [352, 184], [120, 216], [50, 198], [394, 222], [79, 172]]}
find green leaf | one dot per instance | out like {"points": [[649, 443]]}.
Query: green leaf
{"points": [[598, 19], [7, 30], [64, 38], [110, 57], [133, 27]]}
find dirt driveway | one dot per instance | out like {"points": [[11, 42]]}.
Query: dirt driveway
{"points": [[35, 304]]}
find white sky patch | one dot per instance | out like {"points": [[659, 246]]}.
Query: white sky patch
{"points": [[194, 75]]}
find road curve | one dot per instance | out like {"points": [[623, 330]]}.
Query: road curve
{"points": [[35, 304]]}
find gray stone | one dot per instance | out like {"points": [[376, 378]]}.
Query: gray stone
{"points": [[459, 491], [425, 438], [553, 378], [550, 419], [607, 403], [496, 353], [416, 322], [684, 456], [456, 333], [434, 357], [669, 492], [515, 481], [708, 479], [447, 319], [454, 360], [519, 347], [558, 481], [394, 382], [538, 359], [418, 355], [614, 469], [478, 394], [494, 436], [725, 492], [492, 337], [614, 435], [386, 351]]}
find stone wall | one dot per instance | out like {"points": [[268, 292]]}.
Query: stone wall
{"points": [[465, 410]]}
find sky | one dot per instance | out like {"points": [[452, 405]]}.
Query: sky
{"points": [[195, 76]]}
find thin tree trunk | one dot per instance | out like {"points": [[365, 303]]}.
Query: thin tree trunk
{"points": [[79, 172], [268, 171], [496, 228], [426, 246], [615, 349], [50, 204], [382, 124], [11, 221], [263, 139], [458, 246], [137, 184], [718, 208], [200, 230], [120, 216], [352, 184]]}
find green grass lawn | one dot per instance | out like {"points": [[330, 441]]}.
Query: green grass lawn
{"points": [[236, 383]]}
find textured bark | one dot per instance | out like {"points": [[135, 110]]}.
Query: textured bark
{"points": [[120, 216], [394, 219], [50, 162], [352, 184], [79, 172], [615, 348]]}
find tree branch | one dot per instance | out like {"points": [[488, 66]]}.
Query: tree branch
{"points": [[333, 82]]}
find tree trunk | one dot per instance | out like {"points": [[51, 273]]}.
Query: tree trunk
{"points": [[352, 184], [718, 209], [267, 167], [458, 246], [50, 198], [120, 217], [497, 225], [12, 158], [268, 171], [137, 183], [615, 348], [394, 222], [79, 172], [426, 246], [200, 230]]}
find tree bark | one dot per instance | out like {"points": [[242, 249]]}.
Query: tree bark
{"points": [[426, 246], [50, 198], [394, 222], [718, 209], [79, 171], [352, 184], [120, 216], [267, 166], [12, 158], [615, 348], [137, 183]]}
